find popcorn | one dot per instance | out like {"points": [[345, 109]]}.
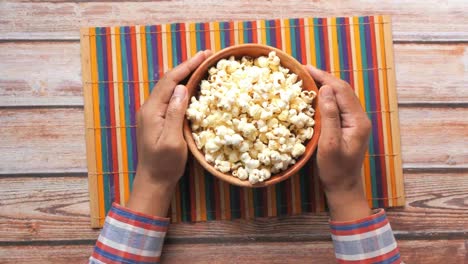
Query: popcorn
{"points": [[251, 117]]}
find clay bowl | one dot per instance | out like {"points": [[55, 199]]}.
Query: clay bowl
{"points": [[253, 50]]}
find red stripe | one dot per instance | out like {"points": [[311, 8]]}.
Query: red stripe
{"points": [[125, 254], [383, 257], [103, 259], [359, 230], [279, 44], [231, 32], [376, 215], [136, 223], [207, 36], [115, 164], [379, 108], [302, 41], [350, 55], [254, 32], [183, 40], [325, 44]]}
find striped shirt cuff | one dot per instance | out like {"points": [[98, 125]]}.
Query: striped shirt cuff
{"points": [[368, 240], [130, 237]]}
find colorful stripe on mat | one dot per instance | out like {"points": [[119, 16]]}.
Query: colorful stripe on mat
{"points": [[126, 62]]}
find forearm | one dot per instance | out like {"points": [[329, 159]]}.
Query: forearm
{"points": [[359, 234], [135, 233]]}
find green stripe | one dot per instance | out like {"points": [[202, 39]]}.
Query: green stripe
{"points": [[149, 56], [318, 57], [292, 38], [174, 45], [102, 115], [362, 39], [197, 34], [184, 198], [234, 201], [209, 193], [128, 138]]}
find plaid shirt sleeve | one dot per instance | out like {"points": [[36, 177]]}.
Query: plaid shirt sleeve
{"points": [[368, 240], [130, 237]]}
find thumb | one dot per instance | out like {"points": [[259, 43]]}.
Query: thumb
{"points": [[330, 113], [175, 112]]}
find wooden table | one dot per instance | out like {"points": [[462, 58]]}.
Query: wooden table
{"points": [[44, 209]]}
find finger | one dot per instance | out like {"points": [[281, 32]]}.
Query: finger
{"points": [[322, 77], [330, 114], [175, 112], [345, 96], [164, 89]]}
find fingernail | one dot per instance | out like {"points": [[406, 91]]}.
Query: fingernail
{"points": [[179, 93]]}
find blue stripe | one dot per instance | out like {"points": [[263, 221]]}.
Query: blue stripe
{"points": [[360, 225], [390, 260], [113, 257], [365, 245], [131, 238], [139, 218]]}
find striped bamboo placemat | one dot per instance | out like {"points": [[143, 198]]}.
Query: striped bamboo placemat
{"points": [[120, 66]]}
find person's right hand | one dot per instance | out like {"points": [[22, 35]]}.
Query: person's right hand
{"points": [[341, 147]]}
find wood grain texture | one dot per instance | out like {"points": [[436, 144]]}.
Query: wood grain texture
{"points": [[413, 21], [425, 73], [415, 252], [57, 208], [52, 140]]}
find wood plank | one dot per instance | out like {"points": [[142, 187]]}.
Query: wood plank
{"points": [[442, 251], [57, 208], [425, 73], [413, 21], [52, 140]]}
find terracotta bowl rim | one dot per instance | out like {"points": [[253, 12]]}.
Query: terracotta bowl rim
{"points": [[193, 87]]}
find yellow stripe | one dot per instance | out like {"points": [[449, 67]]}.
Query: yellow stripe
{"points": [[307, 40], [240, 32], [287, 36], [263, 31], [117, 117], [168, 49], [236, 32], [188, 40], [164, 48], [336, 57], [210, 29], [139, 63], [216, 35], [312, 48], [193, 39], [283, 37], [97, 123], [123, 132], [360, 87]]}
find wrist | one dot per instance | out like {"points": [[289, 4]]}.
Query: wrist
{"points": [[348, 205], [149, 196]]}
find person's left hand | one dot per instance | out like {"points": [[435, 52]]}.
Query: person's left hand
{"points": [[162, 150]]}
